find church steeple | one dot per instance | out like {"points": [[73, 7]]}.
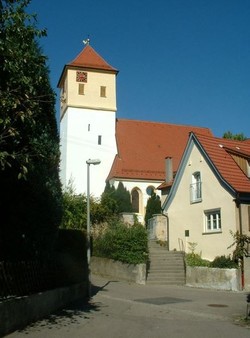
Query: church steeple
{"points": [[87, 118], [89, 82]]}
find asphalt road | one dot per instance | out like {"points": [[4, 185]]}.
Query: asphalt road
{"points": [[120, 310]]}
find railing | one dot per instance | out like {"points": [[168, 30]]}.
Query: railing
{"points": [[23, 278], [195, 192], [181, 245]]}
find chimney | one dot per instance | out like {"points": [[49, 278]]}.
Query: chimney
{"points": [[169, 169]]}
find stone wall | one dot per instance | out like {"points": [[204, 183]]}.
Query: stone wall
{"points": [[122, 271], [17, 313], [214, 278], [247, 273]]}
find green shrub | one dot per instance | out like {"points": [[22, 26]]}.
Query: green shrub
{"points": [[224, 262], [127, 244], [194, 259]]}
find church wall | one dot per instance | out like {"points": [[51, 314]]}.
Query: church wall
{"points": [[142, 187], [91, 97], [80, 131]]}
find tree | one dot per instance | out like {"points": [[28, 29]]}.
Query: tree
{"points": [[231, 136], [123, 199], [29, 140], [153, 207]]}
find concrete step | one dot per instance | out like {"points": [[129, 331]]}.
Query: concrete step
{"points": [[165, 267]]}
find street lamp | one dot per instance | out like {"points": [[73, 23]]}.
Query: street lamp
{"points": [[89, 162]]}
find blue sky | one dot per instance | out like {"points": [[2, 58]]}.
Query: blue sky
{"points": [[179, 61]]}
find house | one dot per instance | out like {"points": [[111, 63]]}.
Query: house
{"points": [[132, 152], [210, 196]]}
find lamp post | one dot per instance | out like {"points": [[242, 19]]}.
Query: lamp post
{"points": [[89, 162]]}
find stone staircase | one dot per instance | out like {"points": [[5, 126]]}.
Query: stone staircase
{"points": [[165, 267]]}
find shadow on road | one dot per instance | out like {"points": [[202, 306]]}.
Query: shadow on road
{"points": [[74, 313]]}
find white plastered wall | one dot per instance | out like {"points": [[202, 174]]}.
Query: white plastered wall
{"points": [[79, 131]]}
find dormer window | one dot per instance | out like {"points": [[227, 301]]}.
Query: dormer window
{"points": [[195, 188]]}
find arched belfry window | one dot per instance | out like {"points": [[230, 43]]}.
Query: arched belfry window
{"points": [[135, 200]]}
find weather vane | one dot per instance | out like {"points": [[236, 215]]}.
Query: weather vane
{"points": [[87, 41]]}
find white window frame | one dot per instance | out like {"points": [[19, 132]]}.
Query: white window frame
{"points": [[212, 220], [195, 188]]}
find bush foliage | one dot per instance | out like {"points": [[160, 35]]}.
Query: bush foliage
{"points": [[127, 244], [222, 262]]}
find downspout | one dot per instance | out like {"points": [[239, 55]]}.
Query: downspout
{"points": [[238, 205]]}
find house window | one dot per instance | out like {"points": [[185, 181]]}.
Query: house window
{"points": [[99, 139], [212, 221], [103, 91], [81, 89], [195, 188], [248, 168]]}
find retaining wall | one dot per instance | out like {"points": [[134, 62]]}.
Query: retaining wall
{"points": [[122, 271], [214, 278], [17, 313]]}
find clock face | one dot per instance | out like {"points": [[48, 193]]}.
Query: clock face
{"points": [[81, 76]]}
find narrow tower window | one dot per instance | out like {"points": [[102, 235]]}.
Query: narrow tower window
{"points": [[99, 139], [103, 91], [89, 127], [81, 89]]}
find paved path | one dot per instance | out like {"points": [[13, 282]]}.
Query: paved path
{"points": [[123, 310]]}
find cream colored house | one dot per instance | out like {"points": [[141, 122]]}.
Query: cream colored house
{"points": [[210, 196]]}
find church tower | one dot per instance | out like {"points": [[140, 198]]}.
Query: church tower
{"points": [[87, 120]]}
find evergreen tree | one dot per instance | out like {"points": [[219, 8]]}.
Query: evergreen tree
{"points": [[29, 141], [123, 199], [108, 202], [153, 207]]}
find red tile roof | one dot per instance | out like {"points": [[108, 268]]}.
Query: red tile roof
{"points": [[143, 147], [89, 58], [220, 151]]}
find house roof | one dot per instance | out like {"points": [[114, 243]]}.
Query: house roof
{"points": [[221, 153], [143, 146], [88, 58]]}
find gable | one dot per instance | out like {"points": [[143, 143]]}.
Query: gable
{"points": [[227, 168]]}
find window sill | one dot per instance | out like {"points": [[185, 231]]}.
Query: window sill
{"points": [[212, 232], [196, 201]]}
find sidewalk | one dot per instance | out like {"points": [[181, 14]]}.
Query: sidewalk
{"points": [[121, 310]]}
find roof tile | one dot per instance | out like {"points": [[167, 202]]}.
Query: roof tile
{"points": [[143, 147], [89, 58], [220, 151]]}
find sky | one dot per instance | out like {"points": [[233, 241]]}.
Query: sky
{"points": [[180, 61]]}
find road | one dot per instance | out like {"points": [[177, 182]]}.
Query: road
{"points": [[120, 310]]}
